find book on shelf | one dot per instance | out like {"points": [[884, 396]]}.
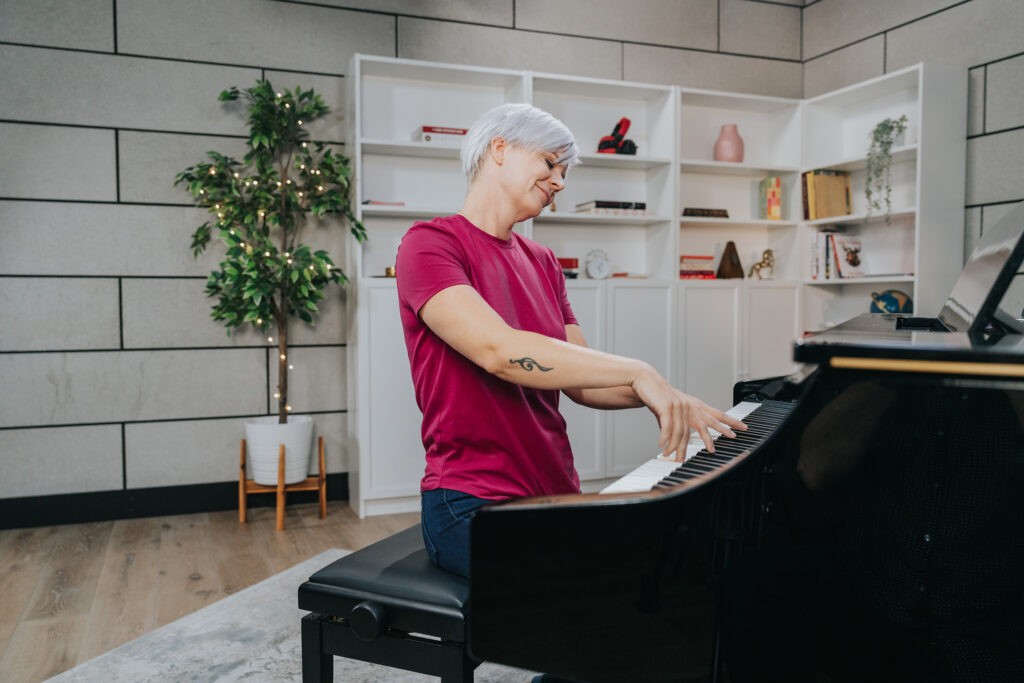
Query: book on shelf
{"points": [[696, 267], [847, 255], [612, 207], [695, 212], [826, 193], [769, 195], [442, 135], [836, 255]]}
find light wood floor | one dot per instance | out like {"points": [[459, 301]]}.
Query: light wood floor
{"points": [[69, 593]]}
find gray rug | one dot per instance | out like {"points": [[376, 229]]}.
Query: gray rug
{"points": [[252, 635]]}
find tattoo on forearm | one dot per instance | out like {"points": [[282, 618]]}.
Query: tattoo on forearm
{"points": [[528, 364]]}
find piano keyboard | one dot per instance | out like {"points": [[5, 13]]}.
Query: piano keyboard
{"points": [[762, 419]]}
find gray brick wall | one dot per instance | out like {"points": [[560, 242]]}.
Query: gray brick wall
{"points": [[115, 377]]}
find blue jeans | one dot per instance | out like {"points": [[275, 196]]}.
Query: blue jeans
{"points": [[445, 521]]}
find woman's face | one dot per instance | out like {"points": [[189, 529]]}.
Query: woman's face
{"points": [[533, 178]]}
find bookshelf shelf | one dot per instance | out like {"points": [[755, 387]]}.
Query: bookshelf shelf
{"points": [[900, 155], [623, 161], [861, 218], [409, 149], [725, 223], [866, 280], [731, 168], [583, 218]]}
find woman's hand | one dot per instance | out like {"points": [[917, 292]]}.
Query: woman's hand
{"points": [[678, 413]]}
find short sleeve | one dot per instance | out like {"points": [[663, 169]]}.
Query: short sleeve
{"points": [[429, 260]]}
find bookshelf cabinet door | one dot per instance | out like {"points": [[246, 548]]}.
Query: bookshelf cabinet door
{"points": [[586, 426], [640, 325], [771, 326], [391, 449], [709, 315]]}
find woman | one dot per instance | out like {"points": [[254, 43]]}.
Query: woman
{"points": [[492, 340]]}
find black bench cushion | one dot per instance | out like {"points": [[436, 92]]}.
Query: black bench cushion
{"points": [[395, 567]]}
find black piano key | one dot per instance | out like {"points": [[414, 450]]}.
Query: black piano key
{"points": [[761, 423]]}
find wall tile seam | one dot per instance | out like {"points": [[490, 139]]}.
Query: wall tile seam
{"points": [[158, 349], [1002, 202], [883, 32], [61, 48], [169, 420], [381, 13], [104, 276], [997, 131], [636, 43], [180, 60]]}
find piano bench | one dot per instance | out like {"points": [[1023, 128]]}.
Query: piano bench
{"points": [[387, 604]]}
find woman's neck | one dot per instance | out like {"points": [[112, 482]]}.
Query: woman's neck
{"points": [[489, 213]]}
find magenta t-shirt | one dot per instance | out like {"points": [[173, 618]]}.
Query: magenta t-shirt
{"points": [[484, 436]]}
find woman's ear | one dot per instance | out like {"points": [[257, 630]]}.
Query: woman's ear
{"points": [[497, 149]]}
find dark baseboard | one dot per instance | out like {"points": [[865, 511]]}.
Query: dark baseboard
{"points": [[76, 508]]}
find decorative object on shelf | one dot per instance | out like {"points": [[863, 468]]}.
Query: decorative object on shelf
{"points": [[612, 207], [729, 145], [891, 301], [705, 213], [441, 135], [877, 184], [730, 268], [769, 196], [597, 265], [284, 184], [765, 268], [696, 267], [615, 143], [570, 267]]}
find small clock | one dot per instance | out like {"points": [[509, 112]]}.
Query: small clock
{"points": [[598, 267]]}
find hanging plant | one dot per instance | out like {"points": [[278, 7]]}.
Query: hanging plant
{"points": [[878, 184]]}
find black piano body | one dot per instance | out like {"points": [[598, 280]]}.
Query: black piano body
{"points": [[904, 450]]}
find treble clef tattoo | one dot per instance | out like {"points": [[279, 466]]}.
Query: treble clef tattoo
{"points": [[528, 364]]}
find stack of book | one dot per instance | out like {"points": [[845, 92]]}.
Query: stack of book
{"points": [[826, 193], [696, 267], [617, 208], [769, 193], [837, 255]]}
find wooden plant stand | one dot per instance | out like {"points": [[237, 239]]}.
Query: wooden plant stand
{"points": [[317, 483]]}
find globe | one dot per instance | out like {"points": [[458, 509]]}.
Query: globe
{"points": [[891, 301]]}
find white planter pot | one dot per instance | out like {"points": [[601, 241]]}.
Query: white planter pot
{"points": [[264, 436]]}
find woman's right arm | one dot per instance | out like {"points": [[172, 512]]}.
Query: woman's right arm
{"points": [[460, 317]]}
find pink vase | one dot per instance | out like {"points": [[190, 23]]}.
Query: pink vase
{"points": [[729, 145]]}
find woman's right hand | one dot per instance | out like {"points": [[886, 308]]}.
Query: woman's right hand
{"points": [[678, 413]]}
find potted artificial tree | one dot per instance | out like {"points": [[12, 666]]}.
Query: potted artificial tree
{"points": [[260, 206], [878, 184]]}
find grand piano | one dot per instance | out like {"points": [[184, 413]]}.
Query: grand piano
{"points": [[894, 458]]}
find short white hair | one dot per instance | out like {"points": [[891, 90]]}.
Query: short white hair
{"points": [[520, 125]]}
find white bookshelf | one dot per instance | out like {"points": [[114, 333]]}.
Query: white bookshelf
{"points": [[918, 248], [703, 335]]}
